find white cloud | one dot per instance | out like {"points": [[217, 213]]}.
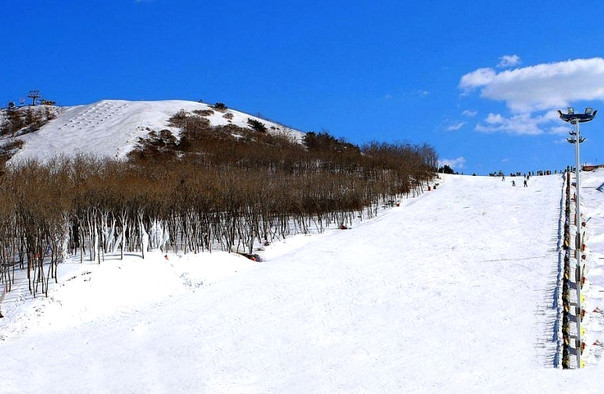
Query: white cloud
{"points": [[388, 96], [521, 124], [469, 114], [541, 87], [455, 126], [477, 78], [455, 164], [508, 61], [559, 130], [494, 119]]}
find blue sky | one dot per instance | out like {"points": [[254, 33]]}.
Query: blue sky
{"points": [[476, 80]]}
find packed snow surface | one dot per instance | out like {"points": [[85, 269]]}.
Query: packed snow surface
{"points": [[111, 128], [450, 292]]}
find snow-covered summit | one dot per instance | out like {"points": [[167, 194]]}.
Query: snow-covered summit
{"points": [[111, 128]]}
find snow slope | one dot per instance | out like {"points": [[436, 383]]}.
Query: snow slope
{"points": [[450, 292], [111, 128]]}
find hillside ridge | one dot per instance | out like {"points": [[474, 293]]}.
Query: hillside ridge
{"points": [[112, 128]]}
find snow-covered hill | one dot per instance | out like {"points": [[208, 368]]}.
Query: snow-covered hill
{"points": [[111, 128], [450, 292]]}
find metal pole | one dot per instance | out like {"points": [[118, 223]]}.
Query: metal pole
{"points": [[578, 241]]}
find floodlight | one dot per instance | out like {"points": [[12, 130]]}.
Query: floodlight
{"points": [[576, 139]]}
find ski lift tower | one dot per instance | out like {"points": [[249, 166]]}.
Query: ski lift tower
{"points": [[33, 95], [575, 138]]}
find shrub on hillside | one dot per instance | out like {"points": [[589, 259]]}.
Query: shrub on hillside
{"points": [[13, 145], [8, 150], [183, 120], [220, 107], [446, 170], [178, 119], [203, 112], [323, 142], [25, 120], [48, 113], [256, 125], [155, 146]]}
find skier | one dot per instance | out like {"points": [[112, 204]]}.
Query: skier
{"points": [[525, 184], [513, 183]]}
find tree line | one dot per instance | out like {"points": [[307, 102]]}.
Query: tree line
{"points": [[226, 187]]}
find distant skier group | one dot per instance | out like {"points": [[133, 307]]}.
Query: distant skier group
{"points": [[526, 178]]}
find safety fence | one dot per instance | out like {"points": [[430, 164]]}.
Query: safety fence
{"points": [[568, 340]]}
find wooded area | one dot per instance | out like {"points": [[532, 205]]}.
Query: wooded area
{"points": [[226, 188]]}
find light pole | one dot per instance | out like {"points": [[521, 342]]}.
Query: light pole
{"points": [[576, 139]]}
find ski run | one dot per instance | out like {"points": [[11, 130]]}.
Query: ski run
{"points": [[450, 292]]}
